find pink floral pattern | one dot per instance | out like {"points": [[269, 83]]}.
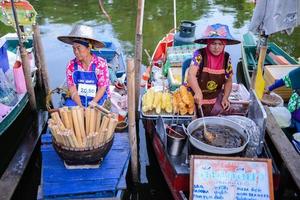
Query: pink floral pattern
{"points": [[101, 71]]}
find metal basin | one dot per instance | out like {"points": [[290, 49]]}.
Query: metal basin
{"points": [[195, 124]]}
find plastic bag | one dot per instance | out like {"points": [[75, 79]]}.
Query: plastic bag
{"points": [[19, 78], [282, 116], [7, 94]]}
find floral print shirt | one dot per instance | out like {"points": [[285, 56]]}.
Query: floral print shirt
{"points": [[101, 71]]}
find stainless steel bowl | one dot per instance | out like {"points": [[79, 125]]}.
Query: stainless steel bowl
{"points": [[195, 124]]}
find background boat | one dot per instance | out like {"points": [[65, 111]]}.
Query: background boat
{"points": [[275, 56]]}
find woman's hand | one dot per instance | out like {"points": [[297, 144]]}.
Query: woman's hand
{"points": [[225, 104], [198, 98]]}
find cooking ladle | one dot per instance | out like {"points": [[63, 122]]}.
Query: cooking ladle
{"points": [[207, 135]]}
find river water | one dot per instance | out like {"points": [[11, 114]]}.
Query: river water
{"points": [[56, 17]]}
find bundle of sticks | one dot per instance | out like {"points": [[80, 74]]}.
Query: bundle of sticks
{"points": [[82, 128]]}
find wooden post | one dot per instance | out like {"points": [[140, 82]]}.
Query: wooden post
{"points": [[131, 118], [138, 49], [41, 58], [25, 61]]}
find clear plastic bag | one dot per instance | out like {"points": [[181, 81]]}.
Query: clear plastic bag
{"points": [[8, 96]]}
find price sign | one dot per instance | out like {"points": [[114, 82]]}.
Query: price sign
{"points": [[88, 90], [230, 178]]}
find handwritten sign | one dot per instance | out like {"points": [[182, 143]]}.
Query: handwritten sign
{"points": [[229, 178]]}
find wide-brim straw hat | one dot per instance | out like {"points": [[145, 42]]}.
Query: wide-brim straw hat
{"points": [[217, 32], [81, 32]]}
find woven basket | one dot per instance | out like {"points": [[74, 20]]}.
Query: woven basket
{"points": [[272, 100], [82, 156]]}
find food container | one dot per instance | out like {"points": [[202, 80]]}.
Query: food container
{"points": [[175, 77], [90, 156], [204, 147], [175, 140]]}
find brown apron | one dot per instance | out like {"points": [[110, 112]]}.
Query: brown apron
{"points": [[211, 83]]}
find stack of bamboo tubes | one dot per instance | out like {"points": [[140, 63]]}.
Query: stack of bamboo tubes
{"points": [[82, 128]]}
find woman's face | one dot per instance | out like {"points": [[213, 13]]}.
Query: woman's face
{"points": [[80, 51], [216, 47]]}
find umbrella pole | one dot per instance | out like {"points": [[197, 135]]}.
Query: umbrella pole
{"points": [[25, 61]]}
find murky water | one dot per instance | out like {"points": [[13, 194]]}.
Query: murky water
{"points": [[56, 18]]}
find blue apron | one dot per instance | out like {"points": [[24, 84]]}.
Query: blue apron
{"points": [[87, 87]]}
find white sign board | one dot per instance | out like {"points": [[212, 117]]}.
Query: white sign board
{"points": [[230, 178]]}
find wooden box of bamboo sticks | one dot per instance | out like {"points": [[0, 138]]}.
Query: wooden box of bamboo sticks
{"points": [[82, 136]]}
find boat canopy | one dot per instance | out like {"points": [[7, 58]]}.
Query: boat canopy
{"points": [[273, 16]]}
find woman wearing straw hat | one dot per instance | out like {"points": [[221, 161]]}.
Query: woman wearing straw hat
{"points": [[210, 73], [87, 74]]}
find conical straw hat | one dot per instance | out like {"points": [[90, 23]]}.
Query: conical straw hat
{"points": [[81, 32]]}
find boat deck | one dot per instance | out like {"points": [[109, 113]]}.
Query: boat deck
{"points": [[106, 182]]}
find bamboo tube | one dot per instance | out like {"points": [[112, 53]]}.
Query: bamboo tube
{"points": [[96, 139], [111, 128], [88, 140], [65, 118], [58, 121], [92, 121], [53, 132], [72, 135], [102, 109], [64, 135], [76, 126], [80, 118], [102, 132], [57, 137], [70, 119], [87, 120], [98, 120], [70, 139]]}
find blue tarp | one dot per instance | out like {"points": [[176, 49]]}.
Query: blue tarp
{"points": [[4, 65]]}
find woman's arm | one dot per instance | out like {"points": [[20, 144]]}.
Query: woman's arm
{"points": [[227, 88], [74, 95], [71, 85], [103, 79], [276, 84], [99, 94], [193, 83]]}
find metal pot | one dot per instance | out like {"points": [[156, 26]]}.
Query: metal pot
{"points": [[195, 124], [176, 144]]}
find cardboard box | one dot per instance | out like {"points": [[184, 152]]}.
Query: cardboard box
{"points": [[275, 72]]}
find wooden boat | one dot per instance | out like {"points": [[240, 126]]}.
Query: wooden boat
{"points": [[105, 182], [175, 169], [275, 56], [20, 128], [278, 139]]}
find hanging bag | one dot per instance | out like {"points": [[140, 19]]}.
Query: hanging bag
{"points": [[19, 75]]}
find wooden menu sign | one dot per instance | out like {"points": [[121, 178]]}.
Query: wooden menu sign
{"points": [[230, 178]]}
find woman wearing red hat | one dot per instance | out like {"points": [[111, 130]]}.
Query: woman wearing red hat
{"points": [[210, 72]]}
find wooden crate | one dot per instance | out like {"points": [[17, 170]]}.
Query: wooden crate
{"points": [[275, 72]]}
